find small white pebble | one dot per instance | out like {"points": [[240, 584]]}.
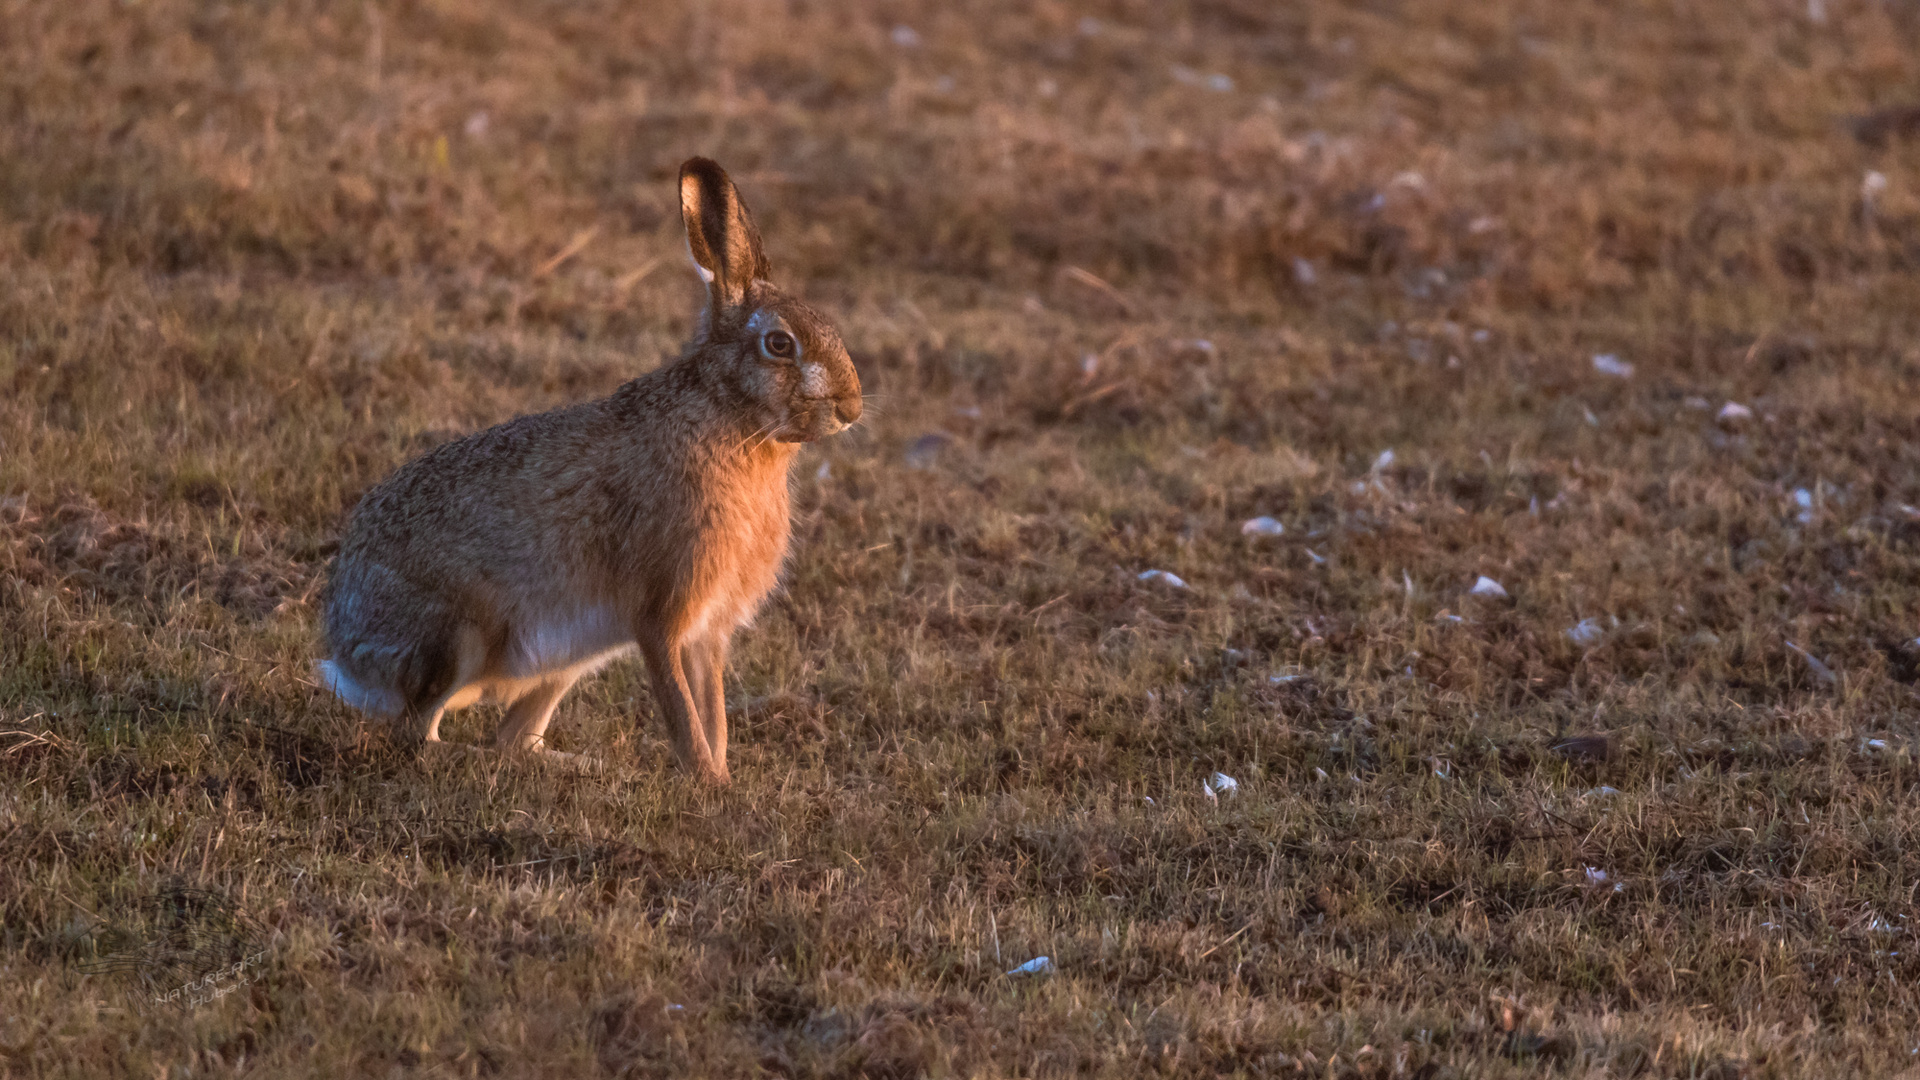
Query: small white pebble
{"points": [[1261, 526], [1820, 670], [924, 451], [1586, 632], [1609, 364]]}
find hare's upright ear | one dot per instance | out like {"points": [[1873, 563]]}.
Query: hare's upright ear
{"points": [[720, 235]]}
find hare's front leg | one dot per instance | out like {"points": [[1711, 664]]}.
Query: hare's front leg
{"points": [[674, 693], [706, 663]]}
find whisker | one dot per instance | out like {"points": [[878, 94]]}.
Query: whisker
{"points": [[749, 445]]}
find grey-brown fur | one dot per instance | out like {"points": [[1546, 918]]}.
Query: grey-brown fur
{"points": [[516, 560]]}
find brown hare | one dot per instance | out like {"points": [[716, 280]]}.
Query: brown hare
{"points": [[512, 562]]}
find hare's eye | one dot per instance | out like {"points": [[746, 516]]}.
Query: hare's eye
{"points": [[778, 343]]}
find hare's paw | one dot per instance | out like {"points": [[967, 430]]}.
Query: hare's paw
{"points": [[435, 751], [581, 764]]}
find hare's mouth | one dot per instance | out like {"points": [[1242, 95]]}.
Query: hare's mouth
{"points": [[815, 421], [813, 433]]}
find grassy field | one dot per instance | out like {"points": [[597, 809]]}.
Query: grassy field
{"points": [[1119, 276]]}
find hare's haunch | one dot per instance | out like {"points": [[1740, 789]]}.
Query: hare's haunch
{"points": [[514, 561]]}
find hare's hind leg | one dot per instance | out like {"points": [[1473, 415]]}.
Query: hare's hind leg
{"points": [[706, 664], [439, 677], [525, 727]]}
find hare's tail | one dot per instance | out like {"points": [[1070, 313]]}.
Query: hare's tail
{"points": [[374, 700]]}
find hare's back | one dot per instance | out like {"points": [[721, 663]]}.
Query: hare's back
{"points": [[499, 505]]}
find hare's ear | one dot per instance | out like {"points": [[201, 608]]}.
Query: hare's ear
{"points": [[720, 235]]}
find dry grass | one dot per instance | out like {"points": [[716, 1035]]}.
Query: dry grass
{"points": [[252, 256]]}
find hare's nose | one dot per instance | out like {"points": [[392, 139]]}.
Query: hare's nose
{"points": [[847, 409]]}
